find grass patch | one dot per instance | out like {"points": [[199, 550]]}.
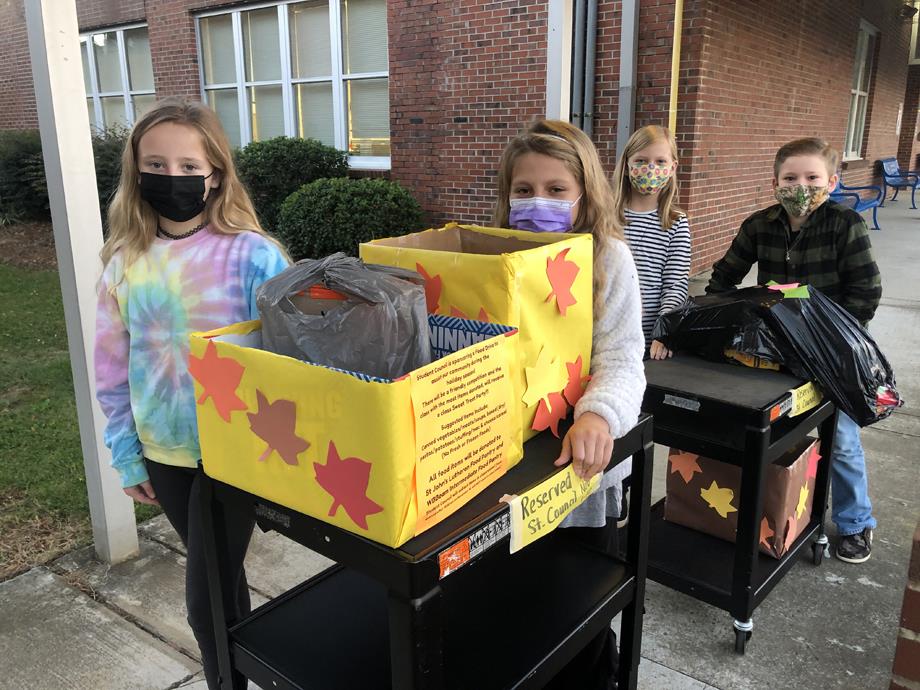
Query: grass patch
{"points": [[42, 482]]}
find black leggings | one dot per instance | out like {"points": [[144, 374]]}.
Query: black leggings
{"points": [[178, 489], [594, 667]]}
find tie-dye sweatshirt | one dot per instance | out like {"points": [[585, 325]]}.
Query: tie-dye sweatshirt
{"points": [[177, 287]]}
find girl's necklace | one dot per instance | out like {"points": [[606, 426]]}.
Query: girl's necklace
{"points": [[162, 233]]}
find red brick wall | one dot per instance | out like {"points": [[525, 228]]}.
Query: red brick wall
{"points": [[17, 97], [102, 14], [760, 86], [464, 78], [906, 670], [907, 144]]}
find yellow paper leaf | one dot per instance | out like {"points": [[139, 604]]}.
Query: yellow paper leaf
{"points": [[803, 496], [546, 376], [719, 499]]}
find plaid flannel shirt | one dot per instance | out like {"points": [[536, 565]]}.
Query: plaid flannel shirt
{"points": [[831, 251]]}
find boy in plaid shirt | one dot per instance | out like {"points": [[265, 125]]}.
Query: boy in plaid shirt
{"points": [[807, 239]]}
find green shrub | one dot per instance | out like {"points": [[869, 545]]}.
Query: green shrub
{"points": [[18, 152], [275, 168], [26, 192], [336, 215]]}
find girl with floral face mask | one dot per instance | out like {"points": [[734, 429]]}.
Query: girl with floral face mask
{"points": [[645, 202]]}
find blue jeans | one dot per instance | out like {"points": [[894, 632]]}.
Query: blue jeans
{"points": [[851, 508]]}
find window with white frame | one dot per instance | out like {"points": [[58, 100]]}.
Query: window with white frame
{"points": [[316, 69], [859, 91], [117, 76]]}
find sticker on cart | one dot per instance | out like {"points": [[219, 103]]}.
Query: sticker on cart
{"points": [[804, 398], [683, 403], [459, 554], [537, 512]]}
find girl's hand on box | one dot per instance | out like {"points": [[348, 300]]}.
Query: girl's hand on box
{"points": [[659, 351], [588, 445], [143, 493]]}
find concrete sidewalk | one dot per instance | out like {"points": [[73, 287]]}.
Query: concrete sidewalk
{"points": [[80, 625]]}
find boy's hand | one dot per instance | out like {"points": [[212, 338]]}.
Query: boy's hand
{"points": [[588, 445], [659, 351], [143, 493]]}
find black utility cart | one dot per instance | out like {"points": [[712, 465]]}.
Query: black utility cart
{"points": [[738, 415], [395, 618]]}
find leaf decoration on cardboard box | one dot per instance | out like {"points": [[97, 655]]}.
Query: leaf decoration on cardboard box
{"points": [[346, 480], [803, 499], [549, 416], [577, 384], [460, 314], [561, 274], [766, 532], [685, 464], [219, 378], [791, 533], [432, 289], [275, 424], [719, 499], [813, 457], [546, 376]]}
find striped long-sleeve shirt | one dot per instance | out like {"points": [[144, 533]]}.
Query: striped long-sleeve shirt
{"points": [[663, 262], [831, 251]]}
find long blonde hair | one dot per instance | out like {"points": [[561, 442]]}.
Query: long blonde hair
{"points": [[229, 210], [668, 211], [567, 143]]}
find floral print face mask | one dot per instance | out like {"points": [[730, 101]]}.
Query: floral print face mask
{"points": [[648, 178], [800, 199]]}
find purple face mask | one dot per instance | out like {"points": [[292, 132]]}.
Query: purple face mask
{"points": [[539, 214]]}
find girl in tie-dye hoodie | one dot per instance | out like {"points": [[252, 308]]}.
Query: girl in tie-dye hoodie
{"points": [[185, 253]]}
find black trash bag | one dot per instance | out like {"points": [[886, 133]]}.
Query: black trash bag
{"points": [[343, 313], [709, 325], [838, 354]]}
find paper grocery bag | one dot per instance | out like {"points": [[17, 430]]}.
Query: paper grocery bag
{"points": [[703, 494], [540, 283]]}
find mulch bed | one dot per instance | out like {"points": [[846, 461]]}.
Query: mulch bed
{"points": [[28, 245]]}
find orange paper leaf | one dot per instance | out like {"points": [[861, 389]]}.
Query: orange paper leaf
{"points": [[548, 417], [577, 383], [275, 423], [766, 533], [685, 464], [791, 529], [432, 289], [219, 377], [561, 274], [813, 457], [346, 481]]}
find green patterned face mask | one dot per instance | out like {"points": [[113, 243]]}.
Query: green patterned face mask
{"points": [[800, 199]]}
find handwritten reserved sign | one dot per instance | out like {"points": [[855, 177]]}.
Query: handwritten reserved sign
{"points": [[539, 511]]}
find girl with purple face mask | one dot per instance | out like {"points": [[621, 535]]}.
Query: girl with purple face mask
{"points": [[551, 180]]}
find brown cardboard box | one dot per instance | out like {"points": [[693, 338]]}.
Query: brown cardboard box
{"points": [[703, 494]]}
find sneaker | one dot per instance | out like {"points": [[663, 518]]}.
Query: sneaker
{"points": [[855, 548]]}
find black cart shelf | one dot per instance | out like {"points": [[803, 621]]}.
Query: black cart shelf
{"points": [[738, 415], [386, 618]]}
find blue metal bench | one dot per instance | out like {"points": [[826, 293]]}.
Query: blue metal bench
{"points": [[850, 197], [893, 177]]}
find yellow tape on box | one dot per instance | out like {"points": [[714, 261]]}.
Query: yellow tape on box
{"points": [[540, 283], [383, 459]]}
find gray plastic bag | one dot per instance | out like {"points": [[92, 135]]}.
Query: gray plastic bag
{"points": [[341, 312]]}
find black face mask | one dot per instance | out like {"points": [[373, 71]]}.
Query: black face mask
{"points": [[177, 197]]}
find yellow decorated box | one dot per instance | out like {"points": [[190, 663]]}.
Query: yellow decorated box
{"points": [[540, 283], [382, 458]]}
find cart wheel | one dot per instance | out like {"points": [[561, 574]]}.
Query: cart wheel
{"points": [[817, 553], [741, 638]]}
